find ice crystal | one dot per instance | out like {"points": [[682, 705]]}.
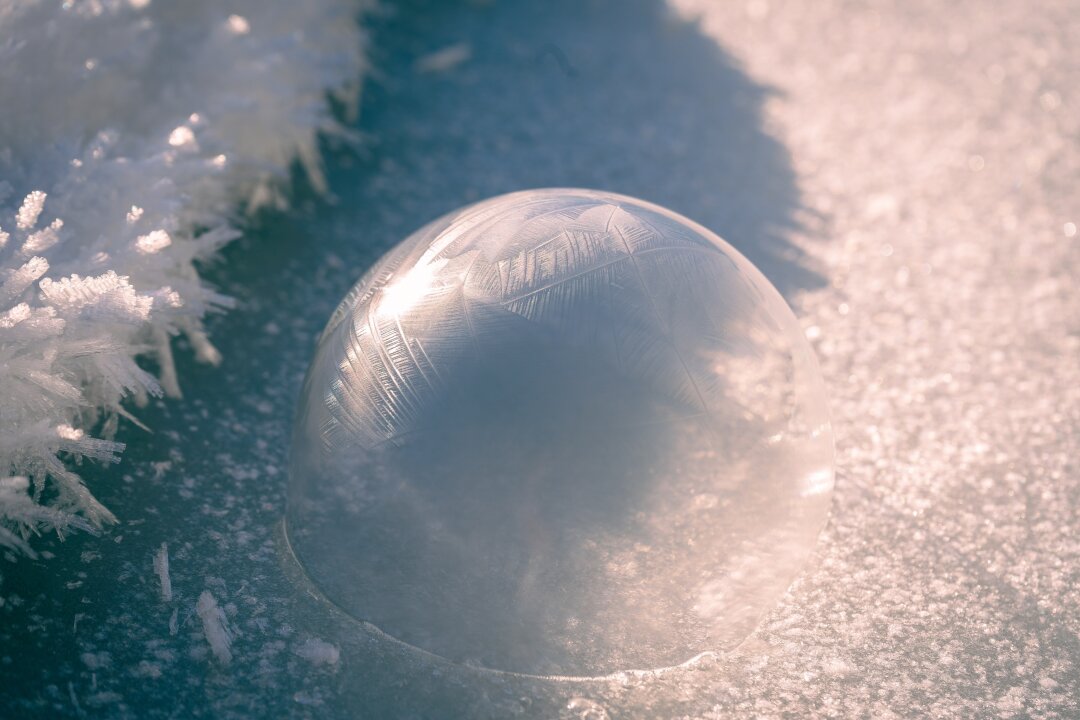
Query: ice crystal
{"points": [[113, 185]]}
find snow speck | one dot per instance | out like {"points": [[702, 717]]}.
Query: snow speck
{"points": [[238, 25], [182, 137], [96, 660], [153, 242], [319, 652]]}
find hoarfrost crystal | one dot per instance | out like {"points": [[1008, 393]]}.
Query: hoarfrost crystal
{"points": [[560, 432]]}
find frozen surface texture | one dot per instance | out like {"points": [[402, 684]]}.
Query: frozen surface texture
{"points": [[561, 432], [130, 132], [908, 183]]}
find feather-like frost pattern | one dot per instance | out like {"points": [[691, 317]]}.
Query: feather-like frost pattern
{"points": [[130, 135]]}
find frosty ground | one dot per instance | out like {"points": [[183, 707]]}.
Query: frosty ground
{"points": [[904, 174]]}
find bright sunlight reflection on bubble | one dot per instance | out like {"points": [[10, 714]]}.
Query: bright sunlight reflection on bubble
{"points": [[560, 432]]}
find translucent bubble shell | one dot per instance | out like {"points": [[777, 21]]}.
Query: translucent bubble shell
{"points": [[560, 432]]}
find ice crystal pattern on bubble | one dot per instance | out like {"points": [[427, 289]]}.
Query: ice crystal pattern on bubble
{"points": [[560, 432]]}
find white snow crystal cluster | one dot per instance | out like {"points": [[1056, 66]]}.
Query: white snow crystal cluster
{"points": [[132, 135]]}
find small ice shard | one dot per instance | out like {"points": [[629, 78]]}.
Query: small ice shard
{"points": [[446, 59], [161, 567], [75, 700], [30, 209], [215, 627]]}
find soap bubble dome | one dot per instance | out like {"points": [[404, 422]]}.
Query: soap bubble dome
{"points": [[560, 432]]}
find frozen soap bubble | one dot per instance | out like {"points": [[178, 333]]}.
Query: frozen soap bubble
{"points": [[560, 432]]}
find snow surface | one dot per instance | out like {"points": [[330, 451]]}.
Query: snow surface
{"points": [[905, 172], [130, 132]]}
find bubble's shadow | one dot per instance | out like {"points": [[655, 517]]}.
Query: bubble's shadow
{"points": [[615, 95]]}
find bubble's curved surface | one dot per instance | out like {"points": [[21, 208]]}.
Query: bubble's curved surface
{"points": [[560, 432]]}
